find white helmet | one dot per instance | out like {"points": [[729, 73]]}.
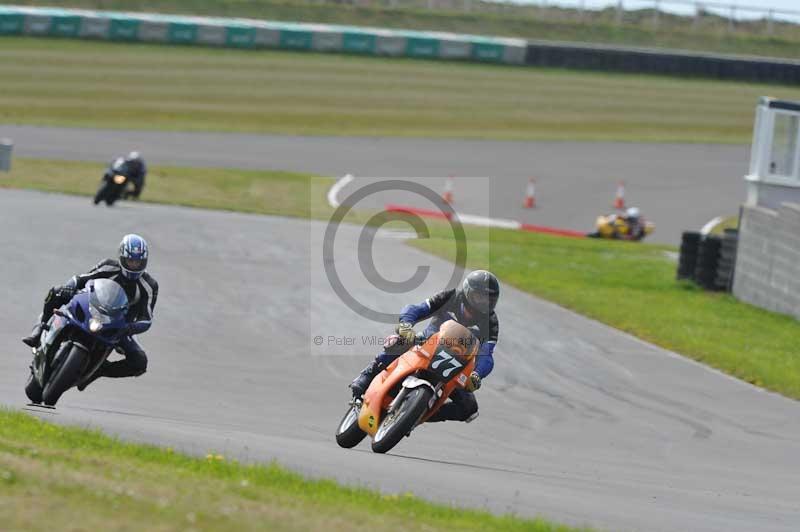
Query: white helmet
{"points": [[633, 212]]}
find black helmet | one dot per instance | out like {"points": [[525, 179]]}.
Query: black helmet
{"points": [[481, 291], [134, 162]]}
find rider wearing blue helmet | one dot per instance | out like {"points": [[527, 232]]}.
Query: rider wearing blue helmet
{"points": [[142, 290]]}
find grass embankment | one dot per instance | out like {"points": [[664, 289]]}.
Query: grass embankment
{"points": [[710, 33], [632, 287], [73, 477], [255, 191], [91, 84]]}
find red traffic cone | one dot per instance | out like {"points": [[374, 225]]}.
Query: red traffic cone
{"points": [[447, 195], [619, 201], [530, 194]]}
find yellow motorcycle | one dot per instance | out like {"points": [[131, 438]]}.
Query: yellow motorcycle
{"points": [[617, 227]]}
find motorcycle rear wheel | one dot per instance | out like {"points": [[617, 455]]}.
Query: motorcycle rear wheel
{"points": [[349, 434], [65, 376], [402, 420]]}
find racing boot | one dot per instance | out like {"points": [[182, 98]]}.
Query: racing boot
{"points": [[35, 337], [361, 383], [97, 374]]}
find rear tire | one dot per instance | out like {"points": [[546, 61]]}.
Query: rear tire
{"points": [[349, 434], [66, 376], [33, 390], [395, 426]]}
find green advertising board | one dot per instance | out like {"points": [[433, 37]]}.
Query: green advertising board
{"points": [[240, 37], [11, 23], [182, 33], [295, 39], [65, 25], [123, 29]]}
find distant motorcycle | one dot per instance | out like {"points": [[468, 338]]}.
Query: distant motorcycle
{"points": [[113, 188], [77, 339], [411, 389], [617, 227]]}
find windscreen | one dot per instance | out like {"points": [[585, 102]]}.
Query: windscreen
{"points": [[107, 298]]}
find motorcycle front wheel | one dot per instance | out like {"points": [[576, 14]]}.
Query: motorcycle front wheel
{"points": [[33, 390], [65, 376], [402, 419], [349, 434]]}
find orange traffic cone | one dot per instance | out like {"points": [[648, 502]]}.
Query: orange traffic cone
{"points": [[447, 195], [619, 201], [530, 194]]}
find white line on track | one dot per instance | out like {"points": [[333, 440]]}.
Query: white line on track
{"points": [[333, 193]]}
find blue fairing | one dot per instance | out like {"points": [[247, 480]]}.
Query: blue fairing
{"points": [[108, 312]]}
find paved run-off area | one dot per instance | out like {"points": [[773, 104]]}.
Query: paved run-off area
{"points": [[579, 423]]}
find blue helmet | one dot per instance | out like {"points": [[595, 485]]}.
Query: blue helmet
{"points": [[133, 256]]}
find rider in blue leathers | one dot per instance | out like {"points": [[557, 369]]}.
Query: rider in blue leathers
{"points": [[471, 305]]}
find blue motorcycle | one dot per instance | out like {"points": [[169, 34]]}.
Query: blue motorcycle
{"points": [[77, 339]]}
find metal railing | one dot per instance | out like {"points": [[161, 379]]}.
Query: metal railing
{"points": [[652, 14]]}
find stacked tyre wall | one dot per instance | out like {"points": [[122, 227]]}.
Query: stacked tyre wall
{"points": [[767, 270], [708, 260]]}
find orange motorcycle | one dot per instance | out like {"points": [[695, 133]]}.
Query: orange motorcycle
{"points": [[411, 389]]}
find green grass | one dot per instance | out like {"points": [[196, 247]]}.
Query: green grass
{"points": [[90, 84], [632, 287], [531, 21], [729, 222], [256, 191], [79, 478]]}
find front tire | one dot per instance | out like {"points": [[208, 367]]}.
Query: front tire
{"points": [[33, 390], [396, 425], [65, 376], [101, 193], [349, 434]]}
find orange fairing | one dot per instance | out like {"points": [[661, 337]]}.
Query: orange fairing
{"points": [[452, 338]]}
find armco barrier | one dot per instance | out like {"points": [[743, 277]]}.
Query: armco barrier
{"points": [[648, 61], [248, 33]]}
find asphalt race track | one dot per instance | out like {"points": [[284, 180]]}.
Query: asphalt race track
{"points": [[579, 423], [678, 186]]}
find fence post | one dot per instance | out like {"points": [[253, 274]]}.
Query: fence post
{"points": [[770, 23], [620, 10], [6, 145], [656, 13], [731, 19], [698, 12]]}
